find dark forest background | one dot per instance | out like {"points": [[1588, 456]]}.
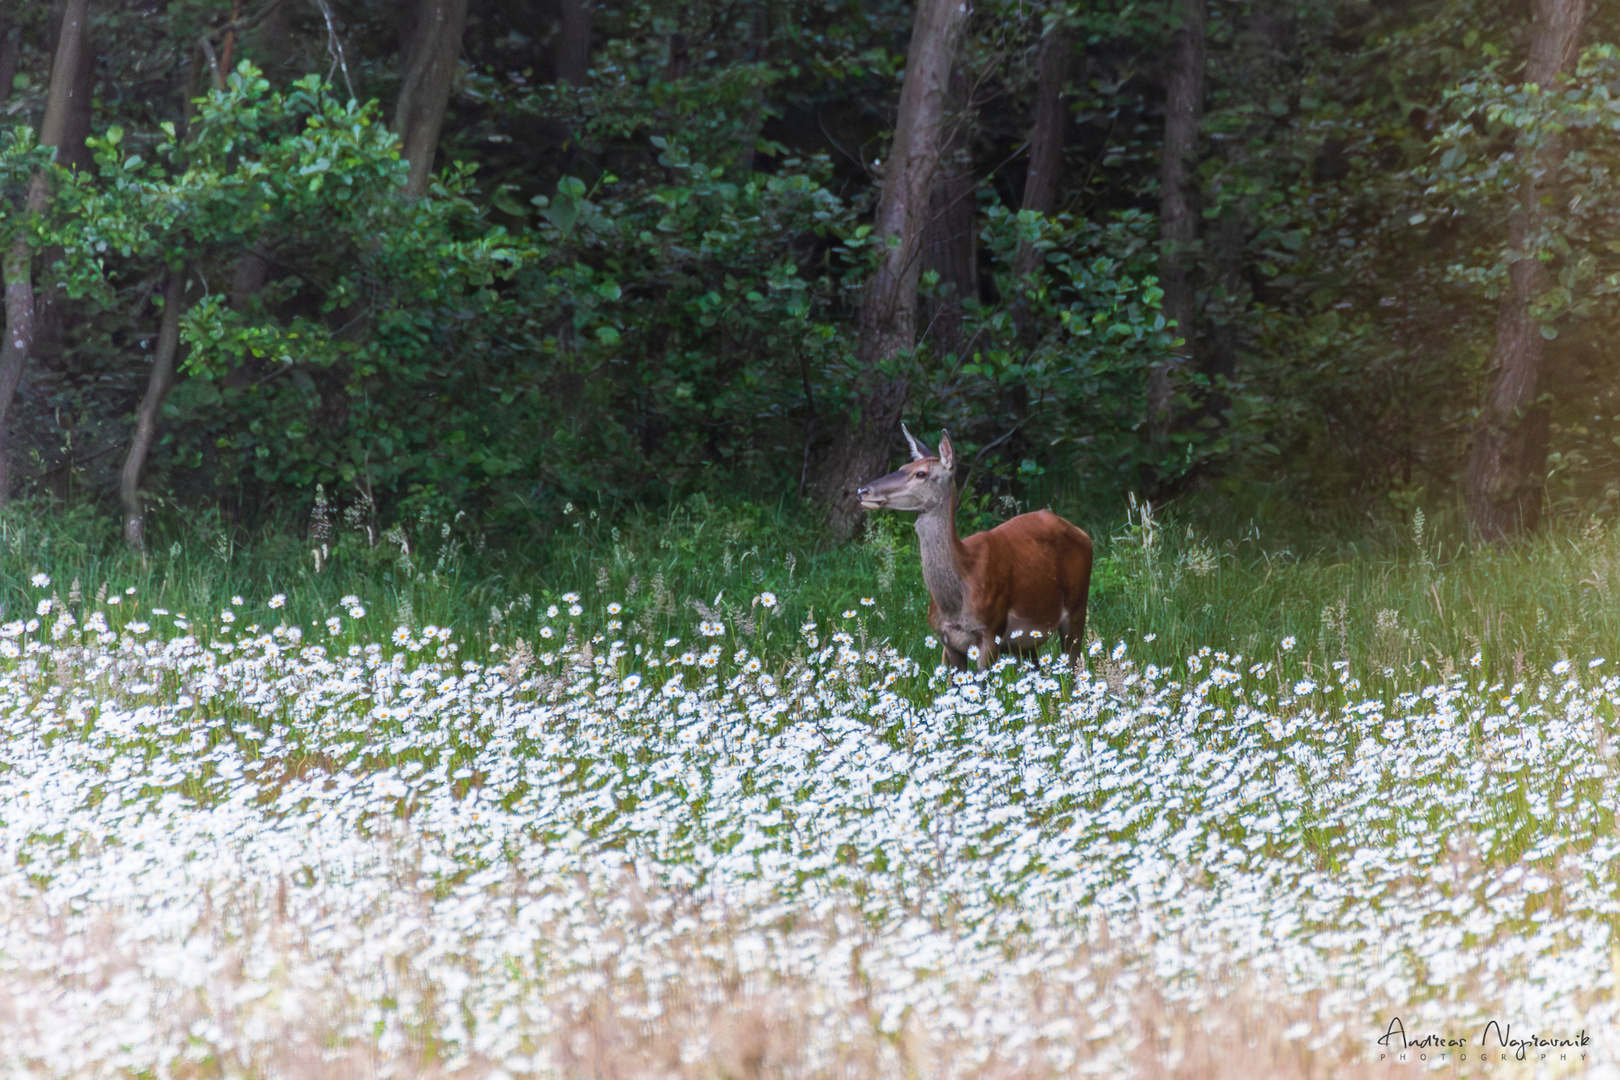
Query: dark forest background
{"points": [[484, 259]]}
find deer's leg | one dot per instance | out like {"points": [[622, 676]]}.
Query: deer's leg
{"points": [[987, 650], [1074, 641], [964, 643], [1074, 630]]}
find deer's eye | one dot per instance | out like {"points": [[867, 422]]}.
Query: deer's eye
{"points": [[921, 474]]}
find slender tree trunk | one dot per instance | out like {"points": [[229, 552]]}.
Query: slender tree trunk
{"points": [[19, 341], [1261, 62], [1229, 244], [72, 152], [1178, 212], [679, 55], [1046, 136], [1041, 182], [228, 46], [10, 42], [79, 73], [72, 80], [950, 241], [888, 317], [249, 274], [571, 49], [571, 66], [270, 42], [1509, 455], [146, 419], [18, 265], [759, 33], [424, 92]]}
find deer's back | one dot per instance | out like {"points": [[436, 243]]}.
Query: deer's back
{"points": [[1037, 563]]}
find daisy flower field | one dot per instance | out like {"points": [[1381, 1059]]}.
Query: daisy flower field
{"points": [[234, 846]]}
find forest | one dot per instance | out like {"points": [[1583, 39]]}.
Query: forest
{"points": [[481, 260]]}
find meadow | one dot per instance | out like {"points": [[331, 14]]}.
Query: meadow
{"points": [[685, 795]]}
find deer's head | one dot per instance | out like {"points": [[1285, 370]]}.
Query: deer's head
{"points": [[927, 482]]}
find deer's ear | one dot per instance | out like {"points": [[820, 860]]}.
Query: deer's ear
{"points": [[947, 453], [919, 450]]}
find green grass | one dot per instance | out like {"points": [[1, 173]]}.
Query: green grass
{"points": [[1397, 604]]}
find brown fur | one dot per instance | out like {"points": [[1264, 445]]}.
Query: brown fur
{"points": [[1024, 574], [1012, 587]]}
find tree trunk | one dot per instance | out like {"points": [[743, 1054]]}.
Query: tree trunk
{"points": [[424, 91], [1260, 60], [10, 42], [759, 34], [18, 268], [950, 243], [1178, 212], [1051, 120], [72, 152], [1509, 455], [79, 71], [270, 44], [571, 66], [888, 317], [571, 49], [1046, 137], [1227, 260], [227, 48], [249, 274], [67, 104], [157, 388], [19, 341]]}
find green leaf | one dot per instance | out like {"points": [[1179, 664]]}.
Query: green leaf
{"points": [[569, 205], [506, 204]]}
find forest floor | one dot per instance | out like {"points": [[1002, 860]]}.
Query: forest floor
{"points": [[379, 812]]}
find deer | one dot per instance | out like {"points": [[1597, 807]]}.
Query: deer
{"points": [[1013, 587]]}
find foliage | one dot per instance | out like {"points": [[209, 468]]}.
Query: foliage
{"points": [[1082, 375], [671, 333], [21, 158], [1369, 358], [303, 181], [644, 286]]}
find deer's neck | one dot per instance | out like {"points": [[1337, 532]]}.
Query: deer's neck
{"points": [[942, 558]]}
